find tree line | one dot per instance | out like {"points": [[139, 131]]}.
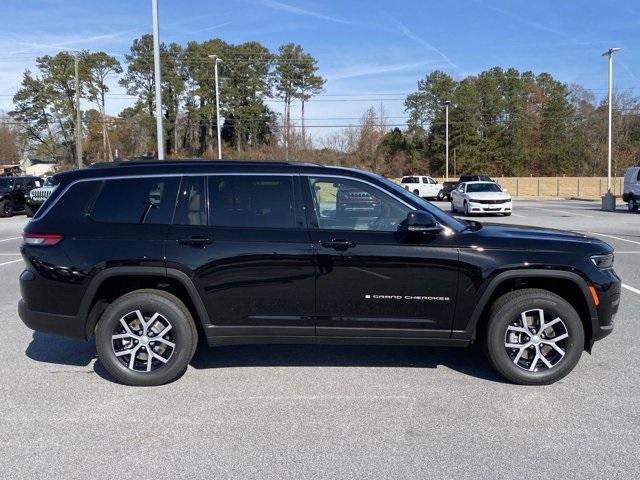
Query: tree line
{"points": [[249, 75], [501, 121]]}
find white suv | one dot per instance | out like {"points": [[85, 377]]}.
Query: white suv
{"points": [[631, 190], [423, 186]]}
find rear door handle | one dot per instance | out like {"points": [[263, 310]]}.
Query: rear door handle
{"points": [[195, 241], [338, 244]]}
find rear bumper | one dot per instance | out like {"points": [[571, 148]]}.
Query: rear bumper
{"points": [[65, 325]]}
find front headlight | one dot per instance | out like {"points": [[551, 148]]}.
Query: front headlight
{"points": [[603, 261]]}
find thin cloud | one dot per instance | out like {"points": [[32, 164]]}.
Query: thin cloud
{"points": [[368, 69], [530, 23], [404, 30], [285, 7]]}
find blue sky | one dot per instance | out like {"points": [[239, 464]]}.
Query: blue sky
{"points": [[371, 52]]}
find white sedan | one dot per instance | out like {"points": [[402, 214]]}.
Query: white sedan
{"points": [[480, 197]]}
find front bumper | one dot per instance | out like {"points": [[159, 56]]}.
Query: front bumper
{"points": [[476, 207]]}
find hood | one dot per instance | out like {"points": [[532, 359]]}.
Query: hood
{"points": [[539, 238], [489, 195]]}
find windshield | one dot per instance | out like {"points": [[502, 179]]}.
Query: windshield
{"points": [[6, 183], [424, 205], [482, 187], [51, 182]]}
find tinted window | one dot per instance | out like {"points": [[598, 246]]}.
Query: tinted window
{"points": [[6, 183], [342, 204], [251, 202], [192, 207], [410, 180], [136, 200]]}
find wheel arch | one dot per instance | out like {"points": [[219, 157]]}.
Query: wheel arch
{"points": [[569, 285], [116, 281]]}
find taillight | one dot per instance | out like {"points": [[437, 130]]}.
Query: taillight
{"points": [[41, 239]]}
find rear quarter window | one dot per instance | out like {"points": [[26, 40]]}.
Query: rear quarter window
{"points": [[135, 200]]}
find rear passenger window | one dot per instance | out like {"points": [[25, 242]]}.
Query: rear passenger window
{"points": [[136, 200], [251, 202], [191, 208]]}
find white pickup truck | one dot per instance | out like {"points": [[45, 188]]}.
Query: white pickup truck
{"points": [[423, 186]]}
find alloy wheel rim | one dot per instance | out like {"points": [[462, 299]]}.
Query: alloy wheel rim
{"points": [[534, 344], [143, 341]]}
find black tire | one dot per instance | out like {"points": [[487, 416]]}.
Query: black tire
{"points": [[453, 208], [183, 333], [416, 192], [441, 196], [29, 211], [465, 209], [508, 214], [6, 208], [506, 313], [632, 205]]}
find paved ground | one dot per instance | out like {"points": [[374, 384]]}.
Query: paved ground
{"points": [[325, 412]]}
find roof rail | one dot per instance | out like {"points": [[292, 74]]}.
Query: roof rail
{"points": [[134, 163]]}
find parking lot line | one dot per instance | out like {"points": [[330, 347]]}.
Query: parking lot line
{"points": [[10, 238], [12, 261], [615, 238], [631, 289]]}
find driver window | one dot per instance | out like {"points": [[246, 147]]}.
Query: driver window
{"points": [[342, 204]]}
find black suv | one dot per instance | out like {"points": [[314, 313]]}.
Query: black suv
{"points": [[150, 256], [14, 192]]}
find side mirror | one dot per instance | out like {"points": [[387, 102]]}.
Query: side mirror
{"points": [[419, 221]]}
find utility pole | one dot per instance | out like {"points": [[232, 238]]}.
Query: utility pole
{"points": [[447, 138], [158, 79], [609, 200], [217, 60], [78, 113]]}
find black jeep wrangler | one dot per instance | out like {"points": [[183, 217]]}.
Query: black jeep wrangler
{"points": [[14, 192], [150, 256]]}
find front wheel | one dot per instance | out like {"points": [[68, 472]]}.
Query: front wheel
{"points": [[465, 209], [29, 211], [453, 207], [146, 337], [533, 337], [6, 208], [632, 205]]}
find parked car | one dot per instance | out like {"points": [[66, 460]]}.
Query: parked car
{"points": [[480, 197], [445, 193], [14, 192], [631, 189], [150, 256], [423, 186], [474, 178], [37, 196]]}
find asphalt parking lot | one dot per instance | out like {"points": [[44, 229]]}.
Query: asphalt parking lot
{"points": [[322, 411]]}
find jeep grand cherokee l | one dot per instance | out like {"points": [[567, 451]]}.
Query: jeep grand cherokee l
{"points": [[150, 256]]}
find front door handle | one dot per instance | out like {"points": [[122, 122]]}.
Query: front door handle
{"points": [[338, 244], [195, 241]]}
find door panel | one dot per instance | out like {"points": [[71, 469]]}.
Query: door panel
{"points": [[372, 280], [252, 259]]}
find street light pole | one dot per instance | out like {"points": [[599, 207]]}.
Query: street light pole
{"points": [[447, 138], [609, 201], [158, 80], [216, 59]]}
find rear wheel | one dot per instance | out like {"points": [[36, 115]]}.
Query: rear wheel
{"points": [[417, 192], [6, 208], [441, 195], [533, 337], [146, 337], [632, 205]]}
